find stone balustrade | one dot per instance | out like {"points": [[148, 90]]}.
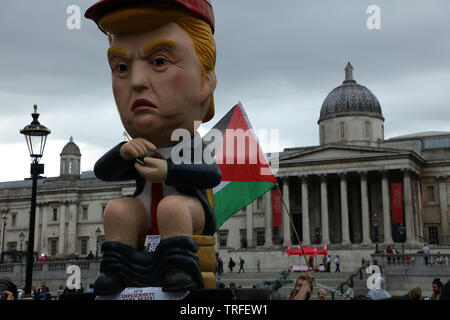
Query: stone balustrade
{"points": [[413, 264], [54, 273]]}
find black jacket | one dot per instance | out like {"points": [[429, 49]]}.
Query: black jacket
{"points": [[188, 178]]}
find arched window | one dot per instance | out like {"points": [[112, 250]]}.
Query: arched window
{"points": [[368, 130], [342, 130]]}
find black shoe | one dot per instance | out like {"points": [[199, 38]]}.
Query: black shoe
{"points": [[176, 279], [108, 283], [123, 266], [177, 262]]}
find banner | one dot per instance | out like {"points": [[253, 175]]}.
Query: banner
{"points": [[397, 202], [276, 208]]}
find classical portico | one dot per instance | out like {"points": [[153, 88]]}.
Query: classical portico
{"points": [[338, 202]]}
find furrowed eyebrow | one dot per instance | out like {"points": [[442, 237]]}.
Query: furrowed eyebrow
{"points": [[159, 43], [117, 51]]}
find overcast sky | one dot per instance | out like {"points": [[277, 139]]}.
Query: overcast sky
{"points": [[279, 58]]}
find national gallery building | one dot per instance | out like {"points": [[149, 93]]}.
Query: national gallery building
{"points": [[352, 191]]}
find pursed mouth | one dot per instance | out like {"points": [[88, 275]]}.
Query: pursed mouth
{"points": [[140, 104]]}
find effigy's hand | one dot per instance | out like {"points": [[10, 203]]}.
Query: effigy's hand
{"points": [[136, 148], [154, 170]]}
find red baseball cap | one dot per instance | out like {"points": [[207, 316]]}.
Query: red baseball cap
{"points": [[203, 8]]}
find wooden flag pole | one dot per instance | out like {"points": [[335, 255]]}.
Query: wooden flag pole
{"points": [[293, 227], [125, 134]]}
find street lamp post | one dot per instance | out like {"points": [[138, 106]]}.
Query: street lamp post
{"points": [[36, 136], [4, 213], [98, 233], [375, 231]]}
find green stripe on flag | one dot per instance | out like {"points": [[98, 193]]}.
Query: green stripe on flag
{"points": [[237, 195]]}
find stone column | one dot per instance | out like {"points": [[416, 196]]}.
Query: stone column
{"points": [[44, 229], [62, 227], [305, 212], [409, 222], [36, 228], [324, 209], [365, 210], [344, 210], [286, 222], [420, 208], [443, 201], [387, 220], [249, 215], [268, 219], [72, 232]]}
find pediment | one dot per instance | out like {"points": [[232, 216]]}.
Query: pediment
{"points": [[323, 153]]}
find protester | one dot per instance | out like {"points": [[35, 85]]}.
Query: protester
{"points": [[241, 265], [437, 289], [34, 292], [426, 251], [59, 292], [348, 292], [90, 256], [389, 253], [445, 295], [44, 292], [328, 263], [219, 266], [220, 284], [324, 262], [414, 294], [337, 261], [231, 264], [8, 290], [379, 293], [304, 288]]}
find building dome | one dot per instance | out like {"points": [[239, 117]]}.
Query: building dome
{"points": [[71, 149], [350, 99]]}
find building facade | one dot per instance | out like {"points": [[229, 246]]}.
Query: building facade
{"points": [[353, 190]]}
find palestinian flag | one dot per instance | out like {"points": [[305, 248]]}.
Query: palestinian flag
{"points": [[246, 175]]}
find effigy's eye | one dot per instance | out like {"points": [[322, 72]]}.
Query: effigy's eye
{"points": [[159, 62], [122, 67]]}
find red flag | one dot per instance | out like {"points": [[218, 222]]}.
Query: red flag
{"points": [[397, 202], [276, 208]]}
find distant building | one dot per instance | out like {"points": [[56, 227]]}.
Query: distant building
{"points": [[339, 192]]}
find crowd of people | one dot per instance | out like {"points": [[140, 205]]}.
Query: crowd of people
{"points": [[9, 291], [396, 257]]}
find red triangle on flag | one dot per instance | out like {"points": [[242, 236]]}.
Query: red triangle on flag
{"points": [[240, 157]]}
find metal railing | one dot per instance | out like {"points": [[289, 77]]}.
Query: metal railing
{"points": [[418, 264], [359, 272]]}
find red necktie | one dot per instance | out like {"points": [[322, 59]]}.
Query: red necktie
{"points": [[157, 195]]}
